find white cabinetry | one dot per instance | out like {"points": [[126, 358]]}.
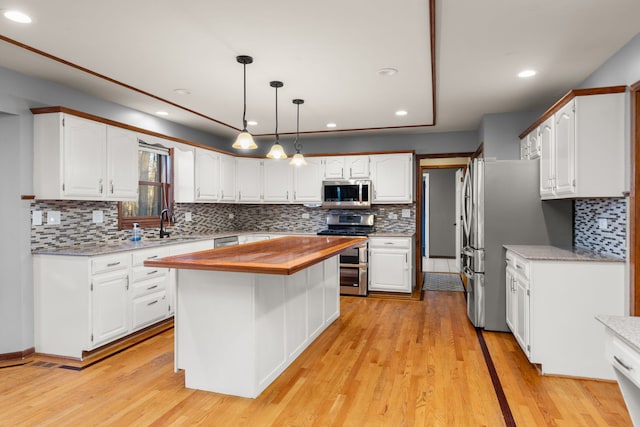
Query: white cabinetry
{"points": [[530, 145], [207, 174], [277, 179], [334, 167], [356, 167], [392, 178], [149, 294], [390, 264], [249, 180], [183, 174], [80, 159], [582, 146], [109, 296], [307, 181], [227, 178], [552, 307]]}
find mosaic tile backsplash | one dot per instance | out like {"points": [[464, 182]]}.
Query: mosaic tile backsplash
{"points": [[77, 227], [587, 233]]}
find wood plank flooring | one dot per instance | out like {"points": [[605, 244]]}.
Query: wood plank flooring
{"points": [[383, 363]]}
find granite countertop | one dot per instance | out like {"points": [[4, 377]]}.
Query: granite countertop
{"points": [[393, 234], [554, 253], [626, 327]]}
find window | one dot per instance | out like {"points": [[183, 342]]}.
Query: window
{"points": [[155, 190]]}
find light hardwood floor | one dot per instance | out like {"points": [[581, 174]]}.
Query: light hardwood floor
{"points": [[383, 363]]}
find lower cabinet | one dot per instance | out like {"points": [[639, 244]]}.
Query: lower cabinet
{"points": [[84, 302], [551, 307], [391, 264]]}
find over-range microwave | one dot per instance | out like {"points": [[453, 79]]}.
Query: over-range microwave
{"points": [[347, 194]]}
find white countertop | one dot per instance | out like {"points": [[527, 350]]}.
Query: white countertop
{"points": [[626, 327], [554, 253]]}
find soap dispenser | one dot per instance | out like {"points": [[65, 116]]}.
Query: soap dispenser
{"points": [[136, 233]]}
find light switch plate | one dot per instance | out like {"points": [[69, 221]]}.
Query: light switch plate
{"points": [[97, 217], [406, 213], [603, 224], [53, 217], [36, 218], [187, 216], [231, 216], [305, 216]]}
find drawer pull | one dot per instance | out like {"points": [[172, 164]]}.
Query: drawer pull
{"points": [[113, 264], [621, 363], [152, 302], [152, 287], [153, 257], [518, 266], [152, 272], [388, 243]]}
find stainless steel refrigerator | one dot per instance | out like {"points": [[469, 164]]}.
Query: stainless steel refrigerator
{"points": [[501, 205]]}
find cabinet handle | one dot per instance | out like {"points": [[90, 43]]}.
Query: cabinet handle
{"points": [[518, 266], [152, 272], [388, 243], [222, 194], [152, 287], [153, 257], [113, 264], [100, 184], [152, 302], [287, 194], [239, 195], [621, 363], [198, 192], [341, 171], [111, 183], [350, 172]]}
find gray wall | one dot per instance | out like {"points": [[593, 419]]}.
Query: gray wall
{"points": [[442, 210], [499, 133]]}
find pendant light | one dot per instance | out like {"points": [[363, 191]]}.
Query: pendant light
{"points": [[244, 140], [277, 152], [298, 158]]}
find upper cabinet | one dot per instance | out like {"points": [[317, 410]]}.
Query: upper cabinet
{"points": [[392, 178], [334, 167], [80, 159], [307, 181], [346, 167], [183, 174], [277, 179], [581, 140], [248, 180], [227, 178], [207, 175]]}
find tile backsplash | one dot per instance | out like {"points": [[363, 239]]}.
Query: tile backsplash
{"points": [[587, 232], [77, 227]]}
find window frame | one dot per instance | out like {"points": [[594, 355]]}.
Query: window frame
{"points": [[125, 223]]}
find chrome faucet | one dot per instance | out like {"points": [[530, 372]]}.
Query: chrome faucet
{"points": [[164, 212]]}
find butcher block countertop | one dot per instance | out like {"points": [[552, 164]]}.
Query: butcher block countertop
{"points": [[286, 255]]}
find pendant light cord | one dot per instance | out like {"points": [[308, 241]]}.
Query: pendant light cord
{"points": [[277, 136], [244, 110], [296, 144]]}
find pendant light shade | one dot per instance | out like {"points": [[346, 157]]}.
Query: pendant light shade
{"points": [[244, 140], [298, 158], [277, 152]]}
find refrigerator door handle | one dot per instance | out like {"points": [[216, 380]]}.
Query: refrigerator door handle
{"points": [[467, 201]]}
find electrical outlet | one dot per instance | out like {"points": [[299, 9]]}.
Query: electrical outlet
{"points": [[187, 216], [97, 217], [406, 213], [36, 218], [231, 216], [392, 216], [305, 216], [53, 217], [603, 224]]}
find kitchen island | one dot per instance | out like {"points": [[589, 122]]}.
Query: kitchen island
{"points": [[244, 313]]}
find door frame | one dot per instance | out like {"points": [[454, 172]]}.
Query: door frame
{"points": [[448, 160], [634, 206]]}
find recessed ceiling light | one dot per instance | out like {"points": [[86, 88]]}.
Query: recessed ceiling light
{"points": [[182, 91], [252, 123], [527, 73], [401, 113], [387, 71], [331, 125], [17, 16], [162, 113]]}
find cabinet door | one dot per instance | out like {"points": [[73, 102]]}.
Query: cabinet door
{"points": [[227, 178], [149, 309], [389, 270], [122, 164], [511, 301], [183, 174], [356, 166], [207, 175], [277, 181], [110, 307], [307, 181], [524, 148], [391, 177], [334, 167], [547, 158], [565, 149], [521, 331], [249, 180], [533, 144], [84, 158]]}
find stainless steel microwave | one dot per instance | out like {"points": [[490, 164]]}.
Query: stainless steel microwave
{"points": [[347, 194]]}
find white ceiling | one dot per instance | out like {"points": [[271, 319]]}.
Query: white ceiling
{"points": [[326, 53]]}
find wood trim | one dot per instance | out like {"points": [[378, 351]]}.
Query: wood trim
{"points": [[479, 152], [634, 209], [17, 357], [444, 155], [449, 166], [27, 197], [568, 97]]}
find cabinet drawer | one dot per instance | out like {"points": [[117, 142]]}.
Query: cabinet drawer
{"points": [[139, 257], [110, 263], [625, 359], [390, 242], [145, 273], [145, 287], [149, 309]]}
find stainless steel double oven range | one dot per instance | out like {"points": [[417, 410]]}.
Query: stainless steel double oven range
{"points": [[353, 262]]}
